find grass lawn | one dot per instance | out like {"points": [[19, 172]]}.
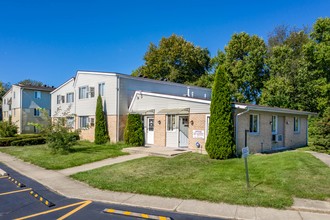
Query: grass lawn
{"points": [[275, 178], [84, 152]]}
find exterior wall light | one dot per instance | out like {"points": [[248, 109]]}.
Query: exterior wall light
{"points": [[159, 122], [192, 122]]}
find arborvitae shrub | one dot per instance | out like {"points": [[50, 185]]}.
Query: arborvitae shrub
{"points": [[101, 131], [220, 140], [134, 134]]}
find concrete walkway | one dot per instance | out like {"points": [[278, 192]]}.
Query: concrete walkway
{"points": [[157, 151], [325, 158], [102, 163], [62, 184]]}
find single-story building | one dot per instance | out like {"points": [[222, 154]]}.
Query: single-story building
{"points": [[183, 122]]}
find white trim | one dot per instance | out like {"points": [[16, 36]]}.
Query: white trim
{"points": [[258, 124], [276, 129], [272, 109], [55, 90], [206, 128]]}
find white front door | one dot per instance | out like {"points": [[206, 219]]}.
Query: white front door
{"points": [[150, 130], [183, 131]]}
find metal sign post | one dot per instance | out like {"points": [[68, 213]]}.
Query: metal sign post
{"points": [[245, 154]]}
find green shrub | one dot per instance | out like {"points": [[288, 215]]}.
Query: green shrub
{"points": [[320, 132], [29, 141], [220, 140], [4, 142], [134, 134], [7, 129], [61, 139], [101, 132]]}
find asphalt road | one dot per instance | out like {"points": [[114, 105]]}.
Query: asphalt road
{"points": [[29, 202]]}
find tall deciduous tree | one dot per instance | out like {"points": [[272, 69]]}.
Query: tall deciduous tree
{"points": [[245, 65], [101, 132], [175, 60], [30, 82], [220, 140], [4, 87]]}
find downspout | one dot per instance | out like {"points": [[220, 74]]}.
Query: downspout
{"points": [[117, 110], [236, 127], [21, 115]]}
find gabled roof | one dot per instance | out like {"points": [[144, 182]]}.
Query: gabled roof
{"points": [[71, 79], [270, 109], [40, 88], [234, 105]]}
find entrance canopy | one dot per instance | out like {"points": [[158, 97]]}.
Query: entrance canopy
{"points": [[174, 111], [144, 112]]}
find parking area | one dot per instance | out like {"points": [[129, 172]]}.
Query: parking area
{"points": [[24, 198]]}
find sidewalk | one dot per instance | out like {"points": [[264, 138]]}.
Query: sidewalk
{"points": [[62, 184]]}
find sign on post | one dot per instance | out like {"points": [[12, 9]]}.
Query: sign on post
{"points": [[245, 154]]}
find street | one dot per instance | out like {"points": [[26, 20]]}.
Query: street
{"points": [[24, 198]]}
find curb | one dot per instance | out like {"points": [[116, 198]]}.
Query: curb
{"points": [[3, 173], [136, 214]]}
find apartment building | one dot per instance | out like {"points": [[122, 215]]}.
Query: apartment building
{"points": [[23, 103]]}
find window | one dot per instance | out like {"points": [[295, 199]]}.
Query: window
{"points": [[83, 92], [296, 124], [274, 124], [83, 122], [4, 101], [101, 89], [254, 123], [14, 95], [170, 122], [91, 122], [70, 122], [36, 112], [92, 92], [69, 97], [37, 94]]}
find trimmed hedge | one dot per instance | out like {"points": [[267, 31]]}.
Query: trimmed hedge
{"points": [[5, 142], [29, 141]]}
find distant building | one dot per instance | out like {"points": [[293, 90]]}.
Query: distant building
{"points": [[23, 104]]}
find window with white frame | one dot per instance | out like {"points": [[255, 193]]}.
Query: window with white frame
{"points": [[36, 112], [4, 101], [170, 122], [14, 95], [37, 94], [254, 123], [101, 89], [274, 124], [69, 97], [83, 121], [70, 122], [83, 92], [296, 124], [59, 99]]}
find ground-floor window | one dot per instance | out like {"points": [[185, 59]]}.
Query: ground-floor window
{"points": [[83, 121], [254, 123], [70, 122], [296, 124]]}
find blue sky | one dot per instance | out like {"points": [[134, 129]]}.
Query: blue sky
{"points": [[50, 40]]}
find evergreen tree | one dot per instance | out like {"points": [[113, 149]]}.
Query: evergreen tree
{"points": [[133, 133], [101, 133], [220, 140]]}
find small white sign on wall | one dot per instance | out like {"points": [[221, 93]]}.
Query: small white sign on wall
{"points": [[198, 134]]}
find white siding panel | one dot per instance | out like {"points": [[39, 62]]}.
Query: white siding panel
{"points": [[57, 110], [147, 102], [128, 86]]}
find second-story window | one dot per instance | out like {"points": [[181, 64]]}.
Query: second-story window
{"points": [[69, 97], [37, 94], [101, 89], [83, 93]]}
